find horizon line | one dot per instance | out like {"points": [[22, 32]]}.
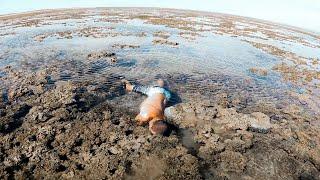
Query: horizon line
{"points": [[183, 9]]}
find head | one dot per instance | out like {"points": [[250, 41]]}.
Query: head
{"points": [[158, 126]]}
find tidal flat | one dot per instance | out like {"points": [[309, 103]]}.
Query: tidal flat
{"points": [[246, 99]]}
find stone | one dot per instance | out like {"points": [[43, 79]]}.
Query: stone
{"points": [[259, 123]]}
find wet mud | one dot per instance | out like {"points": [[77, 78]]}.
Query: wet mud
{"points": [[66, 129], [64, 112]]}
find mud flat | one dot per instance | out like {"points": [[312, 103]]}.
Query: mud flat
{"points": [[244, 106], [64, 129]]}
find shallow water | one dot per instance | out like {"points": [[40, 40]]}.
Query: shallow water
{"points": [[205, 55], [64, 112]]}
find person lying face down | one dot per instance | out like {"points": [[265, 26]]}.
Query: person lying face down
{"points": [[152, 108]]}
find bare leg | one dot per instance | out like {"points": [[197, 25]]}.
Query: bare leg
{"points": [[136, 88], [141, 89]]}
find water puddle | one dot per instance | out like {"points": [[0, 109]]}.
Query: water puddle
{"points": [[148, 47]]}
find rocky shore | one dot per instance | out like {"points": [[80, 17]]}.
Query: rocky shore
{"points": [[65, 129], [245, 96]]}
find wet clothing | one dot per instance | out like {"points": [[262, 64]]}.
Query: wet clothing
{"points": [[151, 90]]}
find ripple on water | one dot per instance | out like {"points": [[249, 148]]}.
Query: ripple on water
{"points": [[209, 64]]}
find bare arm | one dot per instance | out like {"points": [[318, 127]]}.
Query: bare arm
{"points": [[136, 88]]}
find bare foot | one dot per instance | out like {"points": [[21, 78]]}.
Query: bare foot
{"points": [[129, 86], [160, 82]]}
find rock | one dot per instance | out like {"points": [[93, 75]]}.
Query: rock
{"points": [[107, 114], [63, 95], [260, 122], [125, 46], [161, 34], [222, 99], [37, 89], [100, 54], [40, 37], [259, 71], [209, 145], [16, 92], [114, 150], [113, 59], [231, 120], [172, 113], [232, 161], [38, 114], [164, 41], [189, 115], [41, 77], [240, 142], [61, 114]]}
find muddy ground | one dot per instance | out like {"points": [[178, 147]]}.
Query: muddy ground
{"points": [[64, 113], [66, 129]]}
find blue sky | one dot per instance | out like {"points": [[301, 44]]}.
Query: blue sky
{"points": [[300, 13]]}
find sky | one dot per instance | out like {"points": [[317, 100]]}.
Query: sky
{"points": [[301, 13]]}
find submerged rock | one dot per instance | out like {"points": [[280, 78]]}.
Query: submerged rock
{"points": [[100, 54], [164, 42], [259, 71]]}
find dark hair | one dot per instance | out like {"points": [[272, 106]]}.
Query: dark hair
{"points": [[160, 127]]}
